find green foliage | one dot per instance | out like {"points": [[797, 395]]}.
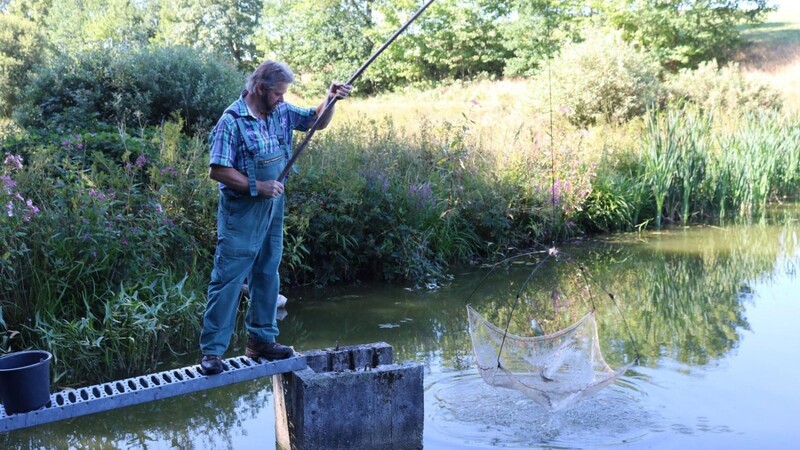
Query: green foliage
{"points": [[442, 44], [684, 33], [33, 10], [129, 332], [221, 27], [321, 40], [721, 89], [328, 40], [380, 204], [84, 228], [143, 88], [21, 49], [610, 206], [537, 31], [75, 26], [601, 79]]}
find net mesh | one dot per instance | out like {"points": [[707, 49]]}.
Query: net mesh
{"points": [[555, 370]]}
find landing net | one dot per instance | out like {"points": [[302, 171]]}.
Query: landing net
{"points": [[555, 370]]}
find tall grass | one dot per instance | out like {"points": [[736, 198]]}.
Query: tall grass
{"points": [[706, 168]]}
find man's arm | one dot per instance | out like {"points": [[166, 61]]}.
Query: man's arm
{"points": [[338, 91], [235, 180]]}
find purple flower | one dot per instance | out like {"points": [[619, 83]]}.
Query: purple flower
{"points": [[141, 161], [96, 194], [13, 161], [8, 183], [31, 207]]}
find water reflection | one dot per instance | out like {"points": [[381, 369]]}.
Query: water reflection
{"points": [[205, 420], [680, 294]]}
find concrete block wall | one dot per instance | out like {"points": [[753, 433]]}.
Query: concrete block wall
{"points": [[350, 398]]}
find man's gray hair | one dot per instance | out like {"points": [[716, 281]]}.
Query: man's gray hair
{"points": [[269, 75]]}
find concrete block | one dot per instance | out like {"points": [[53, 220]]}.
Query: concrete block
{"points": [[350, 398]]}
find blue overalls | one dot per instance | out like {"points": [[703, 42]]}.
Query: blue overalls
{"points": [[249, 244]]}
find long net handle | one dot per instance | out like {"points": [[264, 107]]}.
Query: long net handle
{"points": [[331, 101]]}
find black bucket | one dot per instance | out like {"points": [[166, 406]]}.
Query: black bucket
{"points": [[25, 380]]}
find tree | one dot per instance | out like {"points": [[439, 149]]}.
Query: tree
{"points": [[322, 40], [222, 27], [21, 48], [683, 33], [457, 39], [539, 28], [34, 10], [77, 25]]}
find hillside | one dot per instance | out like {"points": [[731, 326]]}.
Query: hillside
{"points": [[772, 53]]}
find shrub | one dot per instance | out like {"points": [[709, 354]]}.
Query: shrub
{"points": [[118, 87], [600, 79], [721, 89]]}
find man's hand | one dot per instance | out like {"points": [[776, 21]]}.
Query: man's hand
{"points": [[339, 91], [269, 189]]}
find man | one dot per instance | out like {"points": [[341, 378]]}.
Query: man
{"points": [[250, 146]]}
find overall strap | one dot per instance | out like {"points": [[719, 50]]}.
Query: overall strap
{"points": [[251, 166]]}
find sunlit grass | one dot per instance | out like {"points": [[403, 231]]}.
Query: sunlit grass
{"points": [[772, 53]]}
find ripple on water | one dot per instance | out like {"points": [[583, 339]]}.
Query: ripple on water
{"points": [[461, 408]]}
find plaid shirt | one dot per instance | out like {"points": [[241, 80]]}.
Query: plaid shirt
{"points": [[227, 145]]}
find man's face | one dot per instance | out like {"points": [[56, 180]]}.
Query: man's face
{"points": [[271, 98]]}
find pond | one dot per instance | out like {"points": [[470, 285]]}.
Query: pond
{"points": [[709, 311]]}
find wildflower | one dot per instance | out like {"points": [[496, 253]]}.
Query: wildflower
{"points": [[159, 208], [141, 161], [169, 170], [31, 207], [96, 194], [10, 209], [13, 161], [8, 183]]}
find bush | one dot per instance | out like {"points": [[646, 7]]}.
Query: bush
{"points": [[141, 88], [20, 50], [601, 79], [96, 242], [721, 89]]}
